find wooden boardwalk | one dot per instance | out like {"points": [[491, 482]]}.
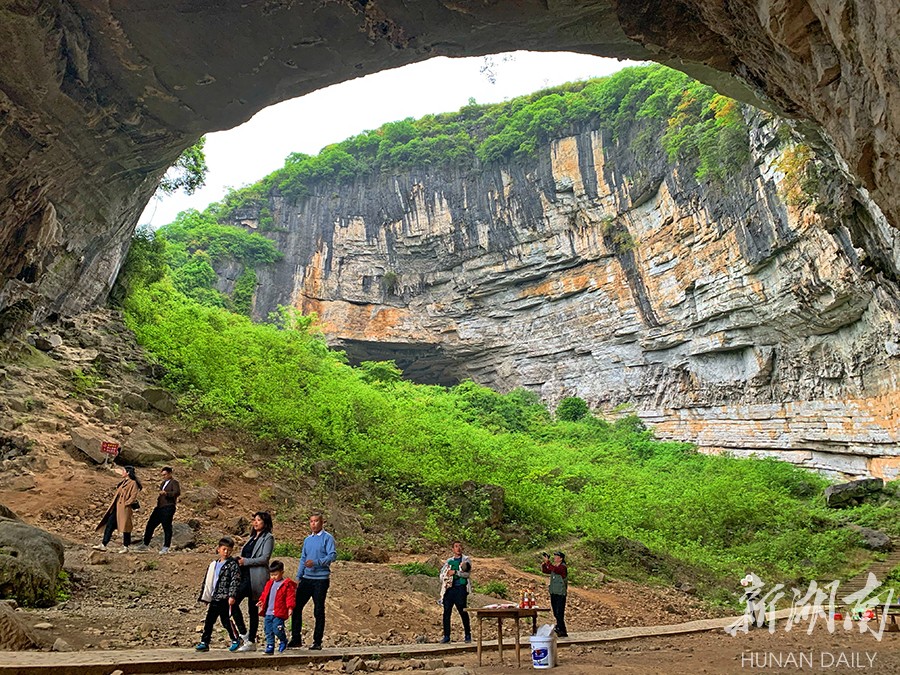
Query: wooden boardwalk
{"points": [[97, 662]]}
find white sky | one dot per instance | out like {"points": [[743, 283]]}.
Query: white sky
{"points": [[245, 154]]}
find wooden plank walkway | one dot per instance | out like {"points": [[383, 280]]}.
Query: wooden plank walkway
{"points": [[97, 662]]}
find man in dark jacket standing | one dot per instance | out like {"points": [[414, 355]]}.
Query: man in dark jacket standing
{"points": [[164, 512]]}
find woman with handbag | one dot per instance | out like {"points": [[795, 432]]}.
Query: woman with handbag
{"points": [[119, 514], [254, 562]]}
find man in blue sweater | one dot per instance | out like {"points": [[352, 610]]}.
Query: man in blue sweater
{"points": [[313, 579]]}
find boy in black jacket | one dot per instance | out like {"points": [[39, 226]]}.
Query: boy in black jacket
{"points": [[220, 588]]}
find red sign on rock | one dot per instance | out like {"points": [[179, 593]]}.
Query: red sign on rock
{"points": [[109, 448]]}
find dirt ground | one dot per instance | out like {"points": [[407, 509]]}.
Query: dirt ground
{"points": [[713, 653]]}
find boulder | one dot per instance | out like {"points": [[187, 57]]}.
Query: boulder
{"points": [[203, 496], [30, 562], [135, 401], [7, 513], [370, 554], [47, 343], [239, 525], [183, 537], [874, 540], [144, 449], [88, 439], [160, 399], [14, 634], [852, 493]]}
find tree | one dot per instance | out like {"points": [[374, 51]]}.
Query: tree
{"points": [[572, 409], [188, 173]]}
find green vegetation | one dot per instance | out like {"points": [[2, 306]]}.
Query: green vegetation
{"points": [[191, 247], [572, 409], [644, 508], [63, 586], [188, 173], [408, 569], [801, 181], [495, 588], [652, 109], [85, 382], [286, 549]]}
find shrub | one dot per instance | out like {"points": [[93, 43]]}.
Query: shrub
{"points": [[287, 549], [572, 409], [408, 569], [496, 588]]}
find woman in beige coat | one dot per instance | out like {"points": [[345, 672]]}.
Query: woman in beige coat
{"points": [[119, 514]]}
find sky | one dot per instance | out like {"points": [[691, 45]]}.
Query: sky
{"points": [[245, 154]]}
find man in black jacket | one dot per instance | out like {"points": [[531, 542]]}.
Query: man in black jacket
{"points": [[164, 512]]}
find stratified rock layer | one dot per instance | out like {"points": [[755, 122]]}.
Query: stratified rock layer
{"points": [[718, 312]]}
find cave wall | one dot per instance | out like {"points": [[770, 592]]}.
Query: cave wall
{"points": [[724, 313], [97, 99]]}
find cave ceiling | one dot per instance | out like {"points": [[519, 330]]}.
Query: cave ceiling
{"points": [[97, 99]]}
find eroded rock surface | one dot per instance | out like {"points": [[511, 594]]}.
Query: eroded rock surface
{"points": [[97, 99], [726, 314]]}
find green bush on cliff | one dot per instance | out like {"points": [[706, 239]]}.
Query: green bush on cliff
{"points": [[195, 243]]}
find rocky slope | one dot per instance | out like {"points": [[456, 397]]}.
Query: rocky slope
{"points": [[89, 378], [750, 315]]}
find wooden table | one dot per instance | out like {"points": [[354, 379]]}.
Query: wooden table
{"points": [[500, 613], [890, 617]]}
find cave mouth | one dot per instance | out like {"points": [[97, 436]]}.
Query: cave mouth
{"points": [[421, 363]]}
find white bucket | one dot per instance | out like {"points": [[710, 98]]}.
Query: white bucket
{"points": [[543, 651]]}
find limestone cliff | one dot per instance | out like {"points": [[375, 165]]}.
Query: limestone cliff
{"points": [[742, 315], [97, 99]]}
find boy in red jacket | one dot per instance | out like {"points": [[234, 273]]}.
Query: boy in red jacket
{"points": [[276, 604]]}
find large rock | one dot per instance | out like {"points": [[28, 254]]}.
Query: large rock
{"points": [[183, 537], [15, 635], [874, 540], [160, 399], [89, 440], [30, 562], [852, 493], [144, 449], [200, 496]]}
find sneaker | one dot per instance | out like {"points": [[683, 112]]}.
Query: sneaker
{"points": [[164, 550], [270, 649], [316, 645], [202, 647], [140, 548], [445, 639], [124, 549], [247, 646], [468, 638], [282, 647], [235, 646], [99, 547], [294, 645]]}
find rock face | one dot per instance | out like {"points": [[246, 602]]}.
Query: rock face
{"points": [[97, 99], [725, 314]]}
